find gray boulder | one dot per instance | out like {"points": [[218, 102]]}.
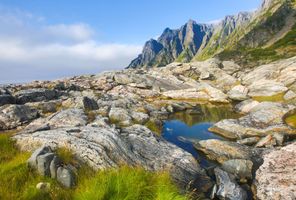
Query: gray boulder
{"points": [[6, 99], [13, 116], [34, 95], [43, 163], [90, 104], [240, 168], [227, 187], [54, 164], [66, 177], [32, 161]]}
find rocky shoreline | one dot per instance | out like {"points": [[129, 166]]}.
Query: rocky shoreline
{"points": [[111, 118]]}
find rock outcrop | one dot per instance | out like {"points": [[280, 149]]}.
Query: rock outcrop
{"points": [[106, 147]]}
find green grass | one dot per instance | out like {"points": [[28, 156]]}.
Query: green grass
{"points": [[18, 181], [128, 184]]}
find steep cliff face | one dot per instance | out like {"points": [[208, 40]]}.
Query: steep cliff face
{"points": [[180, 44], [249, 38]]}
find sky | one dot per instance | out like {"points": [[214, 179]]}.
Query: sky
{"points": [[50, 39]]}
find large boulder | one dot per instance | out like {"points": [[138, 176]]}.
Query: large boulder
{"points": [[275, 179], [105, 147], [13, 116], [34, 95]]}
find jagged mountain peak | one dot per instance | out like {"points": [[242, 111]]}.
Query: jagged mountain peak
{"points": [[243, 31]]}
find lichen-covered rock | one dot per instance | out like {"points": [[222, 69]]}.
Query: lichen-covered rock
{"points": [[275, 179], [13, 116]]}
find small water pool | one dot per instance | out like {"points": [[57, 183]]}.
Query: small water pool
{"points": [[185, 127]]}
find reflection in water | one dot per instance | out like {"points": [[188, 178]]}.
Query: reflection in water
{"points": [[185, 127]]}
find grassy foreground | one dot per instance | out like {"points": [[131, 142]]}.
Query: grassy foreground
{"points": [[17, 181]]}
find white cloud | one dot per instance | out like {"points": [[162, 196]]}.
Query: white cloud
{"points": [[215, 21], [31, 49]]}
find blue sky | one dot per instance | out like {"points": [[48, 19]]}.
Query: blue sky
{"points": [[47, 39]]}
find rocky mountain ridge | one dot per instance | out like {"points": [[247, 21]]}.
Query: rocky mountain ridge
{"points": [[266, 34]]}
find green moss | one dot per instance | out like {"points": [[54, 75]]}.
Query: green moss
{"points": [[274, 98], [154, 127]]}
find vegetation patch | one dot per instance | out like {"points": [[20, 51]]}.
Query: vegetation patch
{"points": [[18, 181], [274, 98], [291, 120]]}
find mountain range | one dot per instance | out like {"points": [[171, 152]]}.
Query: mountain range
{"points": [[248, 38]]}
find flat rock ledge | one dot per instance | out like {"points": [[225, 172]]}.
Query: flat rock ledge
{"points": [[275, 179], [107, 147]]}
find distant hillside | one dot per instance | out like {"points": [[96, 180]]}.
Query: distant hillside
{"points": [[249, 38]]}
